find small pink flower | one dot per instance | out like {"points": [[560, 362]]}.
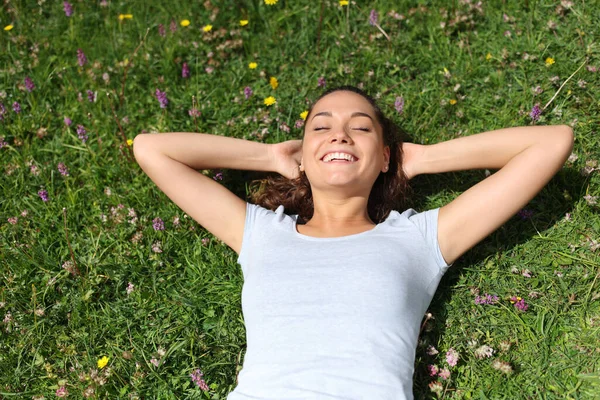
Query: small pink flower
{"points": [[431, 350], [452, 357], [444, 373], [154, 362], [62, 392], [432, 369]]}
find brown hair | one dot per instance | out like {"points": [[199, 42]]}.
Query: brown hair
{"points": [[389, 192]]}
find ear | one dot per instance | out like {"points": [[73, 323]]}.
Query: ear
{"points": [[386, 152]]}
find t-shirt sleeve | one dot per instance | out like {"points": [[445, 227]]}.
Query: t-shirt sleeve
{"points": [[427, 222], [256, 217]]}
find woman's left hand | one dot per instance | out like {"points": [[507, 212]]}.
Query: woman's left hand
{"points": [[413, 153]]}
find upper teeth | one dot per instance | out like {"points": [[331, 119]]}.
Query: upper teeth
{"points": [[342, 156]]}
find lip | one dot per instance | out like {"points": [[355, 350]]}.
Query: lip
{"points": [[340, 151]]}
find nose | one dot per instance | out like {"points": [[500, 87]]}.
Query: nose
{"points": [[340, 135]]}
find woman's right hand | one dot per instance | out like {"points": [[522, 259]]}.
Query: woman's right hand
{"points": [[285, 158]]}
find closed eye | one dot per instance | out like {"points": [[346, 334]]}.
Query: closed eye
{"points": [[357, 129]]}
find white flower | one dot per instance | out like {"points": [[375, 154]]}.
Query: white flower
{"points": [[484, 351]]}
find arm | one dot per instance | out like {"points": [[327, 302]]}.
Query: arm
{"points": [[170, 160], [204, 151], [528, 157]]}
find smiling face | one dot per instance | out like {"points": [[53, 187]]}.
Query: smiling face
{"points": [[344, 122]]}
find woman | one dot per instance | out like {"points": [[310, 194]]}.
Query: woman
{"points": [[332, 306]]}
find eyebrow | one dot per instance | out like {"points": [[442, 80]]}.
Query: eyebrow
{"points": [[354, 114]]}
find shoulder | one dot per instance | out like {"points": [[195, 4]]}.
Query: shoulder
{"points": [[257, 214]]}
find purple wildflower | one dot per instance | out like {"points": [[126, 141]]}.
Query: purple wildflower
{"points": [[43, 195], [62, 168], [161, 30], [198, 380], [525, 214], [91, 96], [2, 142], [158, 224], [81, 133], [2, 111], [81, 58], [218, 176], [519, 303], [452, 357], [29, 85], [399, 104], [68, 8], [487, 299], [162, 98], [173, 26], [373, 17], [16, 107], [535, 112], [67, 121], [194, 112], [248, 92], [299, 124], [321, 82], [185, 71]]}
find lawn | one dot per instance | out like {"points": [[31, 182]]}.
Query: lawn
{"points": [[108, 290]]}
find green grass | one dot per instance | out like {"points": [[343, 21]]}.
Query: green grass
{"points": [[184, 310]]}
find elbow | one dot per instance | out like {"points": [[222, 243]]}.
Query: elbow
{"points": [[569, 136], [567, 131], [138, 145], [565, 139]]}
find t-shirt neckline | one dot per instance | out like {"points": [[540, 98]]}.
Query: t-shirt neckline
{"points": [[333, 239]]}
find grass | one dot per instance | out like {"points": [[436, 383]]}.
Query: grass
{"points": [[85, 275]]}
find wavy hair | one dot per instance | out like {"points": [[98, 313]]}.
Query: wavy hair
{"points": [[390, 191]]}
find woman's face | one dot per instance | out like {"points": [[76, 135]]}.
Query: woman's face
{"points": [[344, 121]]}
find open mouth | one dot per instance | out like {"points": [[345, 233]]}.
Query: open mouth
{"points": [[339, 158]]}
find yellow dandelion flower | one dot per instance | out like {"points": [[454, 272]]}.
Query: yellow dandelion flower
{"points": [[102, 362], [303, 115], [273, 82], [270, 101], [271, 2], [252, 65], [185, 22], [343, 2], [207, 28], [125, 16], [129, 142], [569, 92], [243, 22], [489, 56], [452, 101], [549, 61], [8, 27]]}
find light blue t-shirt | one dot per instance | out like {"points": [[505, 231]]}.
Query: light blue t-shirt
{"points": [[334, 318]]}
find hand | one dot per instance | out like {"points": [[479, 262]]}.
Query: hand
{"points": [[285, 158], [413, 154]]}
